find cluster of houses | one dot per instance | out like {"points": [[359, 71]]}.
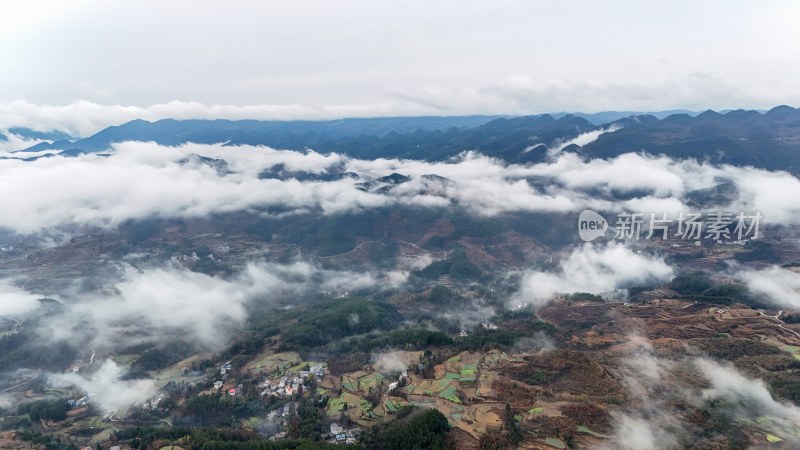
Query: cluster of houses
{"points": [[223, 372], [336, 294], [233, 392], [79, 403], [288, 385], [340, 435], [192, 257], [283, 387]]}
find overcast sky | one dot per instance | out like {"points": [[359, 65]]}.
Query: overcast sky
{"points": [[319, 59]]}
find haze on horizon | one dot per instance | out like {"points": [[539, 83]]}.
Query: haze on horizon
{"points": [[316, 59]]}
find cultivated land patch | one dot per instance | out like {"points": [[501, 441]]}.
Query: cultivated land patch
{"points": [[274, 363], [180, 372], [363, 381]]}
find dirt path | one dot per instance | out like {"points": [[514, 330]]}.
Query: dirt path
{"points": [[781, 324], [357, 248], [21, 384]]}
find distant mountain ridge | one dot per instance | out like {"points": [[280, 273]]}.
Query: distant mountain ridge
{"points": [[744, 138], [258, 132], [768, 140], [604, 117]]}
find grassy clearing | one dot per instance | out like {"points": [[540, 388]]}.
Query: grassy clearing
{"points": [[771, 438], [366, 382], [393, 404], [450, 394], [769, 425], [350, 384]]}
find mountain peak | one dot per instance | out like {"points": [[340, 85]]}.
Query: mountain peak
{"points": [[709, 113], [783, 112]]}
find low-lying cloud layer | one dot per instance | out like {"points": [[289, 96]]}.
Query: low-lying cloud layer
{"points": [[140, 180], [157, 305], [583, 139], [157, 300], [106, 388], [728, 383], [779, 286], [656, 384], [15, 301], [650, 424], [595, 269], [146, 304]]}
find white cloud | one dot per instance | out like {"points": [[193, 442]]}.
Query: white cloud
{"points": [[583, 139], [778, 285], [170, 298], [655, 384], [627, 172], [141, 180], [394, 361], [107, 390], [635, 433], [727, 382], [595, 269], [650, 424], [15, 301], [751, 397], [13, 142], [153, 302], [771, 193]]}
